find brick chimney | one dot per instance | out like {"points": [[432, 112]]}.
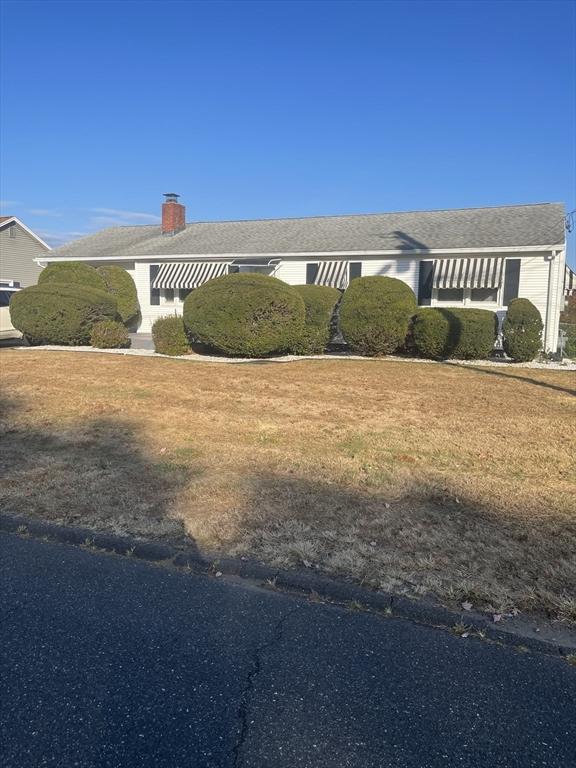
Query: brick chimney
{"points": [[173, 215]]}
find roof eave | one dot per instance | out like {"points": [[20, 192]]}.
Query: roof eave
{"points": [[313, 254]]}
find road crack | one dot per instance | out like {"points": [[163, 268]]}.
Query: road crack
{"points": [[248, 688]]}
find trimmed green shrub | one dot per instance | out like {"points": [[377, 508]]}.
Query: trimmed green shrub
{"points": [[319, 304], [109, 334], [169, 336], [570, 342], [375, 314], [54, 313], [568, 325], [72, 272], [522, 329], [464, 334], [245, 314], [120, 284]]}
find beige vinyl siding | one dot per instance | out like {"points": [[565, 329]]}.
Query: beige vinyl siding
{"points": [[17, 256]]}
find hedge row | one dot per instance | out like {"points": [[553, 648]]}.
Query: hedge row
{"points": [[465, 334], [245, 314], [120, 284], [55, 313], [319, 304], [252, 315], [70, 300], [375, 314]]}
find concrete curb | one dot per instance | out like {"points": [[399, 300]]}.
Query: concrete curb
{"points": [[299, 581]]}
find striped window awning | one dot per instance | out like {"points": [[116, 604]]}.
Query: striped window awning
{"points": [[468, 273], [569, 282], [333, 274], [188, 275]]}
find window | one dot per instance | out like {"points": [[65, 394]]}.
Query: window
{"points": [[425, 274], [167, 295], [154, 292], [183, 292], [311, 273], [484, 294], [261, 269], [5, 298], [450, 295], [355, 269], [232, 268], [511, 280]]}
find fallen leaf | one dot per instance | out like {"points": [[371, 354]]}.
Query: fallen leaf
{"points": [[467, 606], [497, 617], [307, 563], [218, 573]]}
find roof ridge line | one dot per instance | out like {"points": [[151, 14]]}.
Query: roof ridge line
{"points": [[347, 215]]}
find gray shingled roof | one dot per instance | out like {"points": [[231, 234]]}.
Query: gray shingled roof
{"points": [[520, 225]]}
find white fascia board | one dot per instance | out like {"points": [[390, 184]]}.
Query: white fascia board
{"points": [[310, 254], [15, 220]]}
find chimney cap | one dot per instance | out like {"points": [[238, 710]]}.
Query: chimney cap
{"points": [[171, 197]]}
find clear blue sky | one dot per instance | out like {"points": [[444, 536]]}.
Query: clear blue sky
{"points": [[271, 109]]}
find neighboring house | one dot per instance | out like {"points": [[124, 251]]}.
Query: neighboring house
{"points": [[474, 257], [19, 247]]}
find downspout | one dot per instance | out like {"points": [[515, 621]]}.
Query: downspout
{"points": [[549, 312]]}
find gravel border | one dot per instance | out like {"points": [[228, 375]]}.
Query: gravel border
{"points": [[519, 632], [194, 358]]}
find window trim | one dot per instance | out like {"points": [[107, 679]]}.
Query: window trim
{"points": [[467, 299]]}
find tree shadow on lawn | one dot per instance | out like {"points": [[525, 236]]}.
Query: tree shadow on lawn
{"points": [[91, 474], [425, 542], [95, 474], [507, 374]]}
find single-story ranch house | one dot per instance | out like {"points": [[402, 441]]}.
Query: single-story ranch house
{"points": [[474, 257]]}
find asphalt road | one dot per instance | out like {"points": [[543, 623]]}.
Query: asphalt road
{"points": [[110, 662]]}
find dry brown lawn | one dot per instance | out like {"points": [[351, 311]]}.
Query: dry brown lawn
{"points": [[415, 478]]}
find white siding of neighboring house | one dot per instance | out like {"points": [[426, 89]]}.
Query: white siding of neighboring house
{"points": [[17, 255], [534, 274]]}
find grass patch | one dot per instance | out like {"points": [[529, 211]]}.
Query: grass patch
{"points": [[419, 479]]}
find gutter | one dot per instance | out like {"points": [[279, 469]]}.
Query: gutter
{"points": [[309, 254]]}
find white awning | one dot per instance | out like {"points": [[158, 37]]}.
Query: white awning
{"points": [[188, 275], [468, 273], [333, 274]]}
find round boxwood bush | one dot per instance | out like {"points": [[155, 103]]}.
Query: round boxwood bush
{"points": [[464, 334], [120, 284], [72, 272], [54, 313], [109, 334], [375, 314], [169, 336], [245, 314], [319, 304], [522, 329]]}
